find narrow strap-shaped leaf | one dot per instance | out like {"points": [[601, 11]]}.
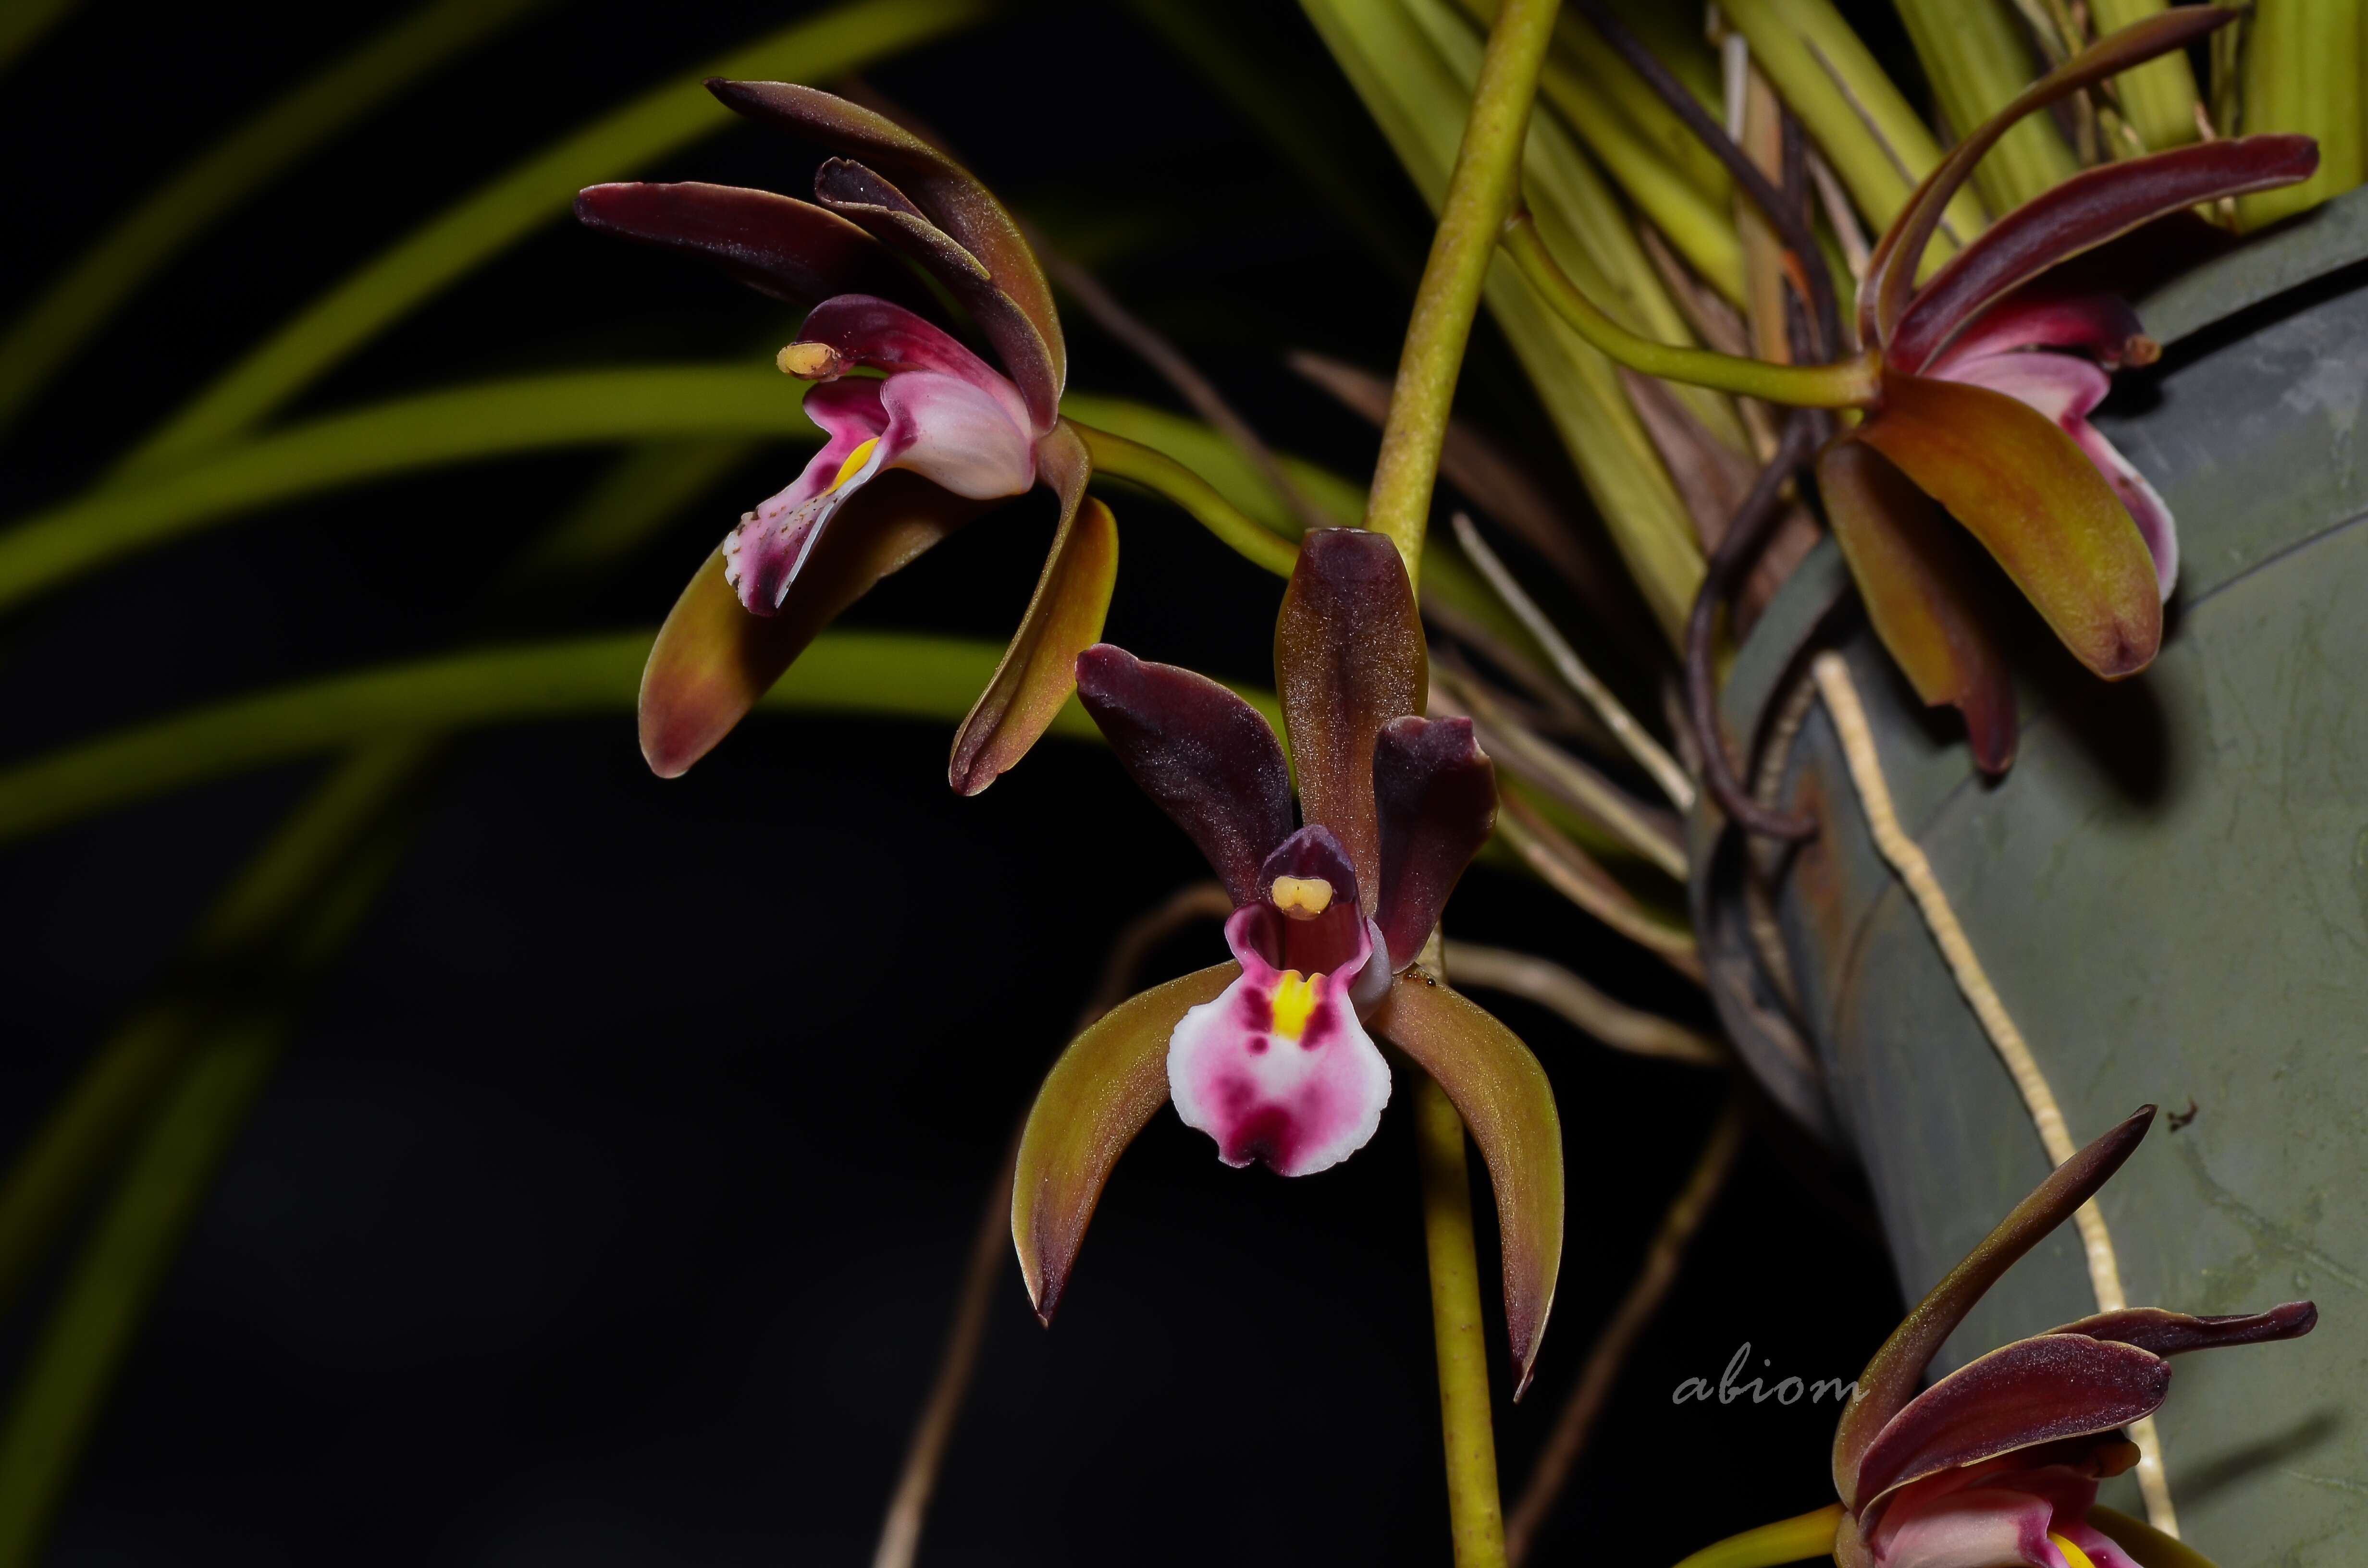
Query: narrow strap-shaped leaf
{"points": [[847, 38], [2174, 1334], [1436, 796], [789, 249], [1349, 657], [713, 659], [1206, 757], [951, 199], [2040, 1390], [1105, 1086], [1890, 1378], [2024, 488], [1912, 574], [1503, 1096], [1891, 272], [2083, 213], [1064, 617]]}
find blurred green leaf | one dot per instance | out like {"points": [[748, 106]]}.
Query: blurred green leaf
{"points": [[151, 234], [662, 121], [24, 23], [1977, 55]]}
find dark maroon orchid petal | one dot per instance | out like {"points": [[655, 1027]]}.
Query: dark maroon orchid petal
{"points": [[1891, 272], [2045, 315], [1204, 757], [2040, 1390], [2023, 486], [862, 196], [1349, 657], [1890, 1378], [1319, 923], [789, 249], [1918, 588], [1096, 1097], [1503, 1096], [951, 200], [1063, 618], [2174, 1334], [2081, 214], [1436, 793], [713, 659]]}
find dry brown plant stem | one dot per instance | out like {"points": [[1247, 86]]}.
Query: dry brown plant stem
{"points": [[925, 1454], [1611, 1348]]}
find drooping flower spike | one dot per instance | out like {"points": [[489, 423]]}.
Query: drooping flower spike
{"points": [[1270, 1054], [1978, 387], [913, 452], [1998, 1463]]}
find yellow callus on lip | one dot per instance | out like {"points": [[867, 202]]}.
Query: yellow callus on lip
{"points": [[1294, 999], [855, 459], [1302, 898], [2072, 1554]]}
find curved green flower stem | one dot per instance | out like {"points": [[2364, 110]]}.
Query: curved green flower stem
{"points": [[99, 1306], [1483, 188], [150, 235], [849, 37], [1476, 1514], [1796, 1539], [1848, 383], [1119, 458]]}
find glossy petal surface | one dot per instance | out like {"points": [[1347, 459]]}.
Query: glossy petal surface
{"points": [[2066, 390], [2040, 1390], [1064, 617], [1890, 1378], [1502, 1094], [1028, 339], [1892, 270], [789, 249], [2084, 212], [2099, 326], [1204, 757], [2025, 489], [2174, 1334], [1992, 1516], [1914, 578], [1349, 657], [1436, 794], [860, 329], [713, 659], [1278, 1068], [1099, 1094]]}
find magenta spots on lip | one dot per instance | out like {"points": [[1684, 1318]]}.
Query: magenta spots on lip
{"points": [[1270, 1132], [1322, 1025]]}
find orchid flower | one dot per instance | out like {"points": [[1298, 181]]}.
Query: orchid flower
{"points": [[1274, 1055], [1975, 390], [912, 453], [1996, 1464]]}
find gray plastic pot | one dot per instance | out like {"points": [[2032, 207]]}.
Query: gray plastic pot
{"points": [[2170, 891]]}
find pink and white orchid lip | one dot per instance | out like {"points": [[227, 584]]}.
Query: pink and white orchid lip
{"points": [[1278, 1068], [1992, 1516], [943, 427]]}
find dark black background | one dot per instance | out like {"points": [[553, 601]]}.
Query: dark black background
{"points": [[609, 1202]]}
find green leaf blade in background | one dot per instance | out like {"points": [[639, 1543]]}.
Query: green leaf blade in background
{"points": [[661, 123], [71, 312]]}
